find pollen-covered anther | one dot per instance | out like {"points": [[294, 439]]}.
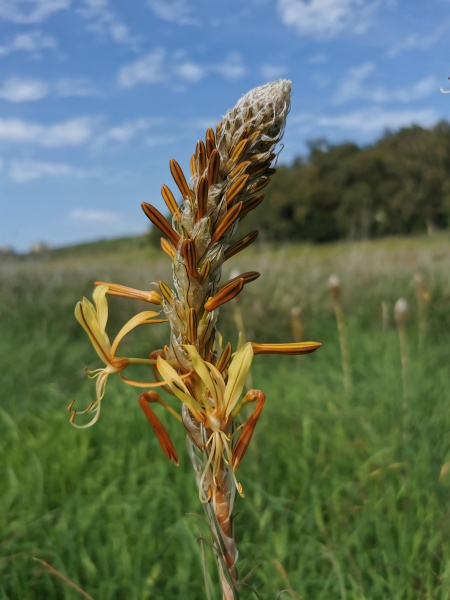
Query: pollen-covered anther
{"points": [[240, 245], [200, 155], [210, 140], [192, 326], [161, 223], [251, 204], [170, 201], [224, 359], [239, 168], [180, 179], [213, 167], [227, 293], [260, 184], [248, 277], [202, 197], [239, 150], [166, 292], [190, 257], [168, 248], [290, 348], [204, 270], [236, 188], [230, 218]]}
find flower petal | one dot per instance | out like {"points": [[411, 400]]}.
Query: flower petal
{"points": [[237, 374], [101, 305], [85, 315], [203, 371], [249, 426], [139, 319], [176, 384], [158, 427]]}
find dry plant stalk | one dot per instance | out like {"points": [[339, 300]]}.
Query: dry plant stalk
{"points": [[203, 378], [334, 288], [297, 323], [401, 315], [423, 299]]}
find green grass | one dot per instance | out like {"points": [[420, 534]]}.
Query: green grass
{"points": [[340, 502]]}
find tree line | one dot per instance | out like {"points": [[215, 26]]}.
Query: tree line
{"points": [[398, 185]]}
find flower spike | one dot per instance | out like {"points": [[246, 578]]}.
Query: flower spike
{"points": [[228, 169]]}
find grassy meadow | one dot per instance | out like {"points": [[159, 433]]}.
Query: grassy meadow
{"points": [[347, 495]]}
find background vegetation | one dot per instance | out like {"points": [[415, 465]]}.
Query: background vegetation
{"points": [[398, 185], [340, 502]]}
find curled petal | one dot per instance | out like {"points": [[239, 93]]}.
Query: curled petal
{"points": [[143, 318], [163, 437], [249, 426]]}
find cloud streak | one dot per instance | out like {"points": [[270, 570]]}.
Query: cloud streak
{"points": [[367, 120], [73, 132], [104, 22], [16, 89], [32, 42], [94, 216], [25, 12], [320, 18], [22, 171], [159, 66], [357, 85], [173, 11]]}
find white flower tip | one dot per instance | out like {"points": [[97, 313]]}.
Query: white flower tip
{"points": [[401, 311]]}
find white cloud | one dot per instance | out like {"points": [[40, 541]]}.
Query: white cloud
{"points": [[74, 87], [419, 42], [18, 89], [271, 72], [30, 11], [73, 132], [105, 22], [232, 68], [93, 216], [355, 86], [31, 42], [150, 68], [159, 140], [319, 18], [23, 90], [122, 133], [159, 66], [368, 121], [189, 71], [174, 11], [318, 59], [23, 171]]}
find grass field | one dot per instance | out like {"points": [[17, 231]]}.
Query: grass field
{"points": [[347, 497]]}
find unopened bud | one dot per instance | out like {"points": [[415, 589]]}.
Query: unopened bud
{"points": [[401, 311], [334, 286]]}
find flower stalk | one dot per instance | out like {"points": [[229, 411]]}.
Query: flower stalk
{"points": [[204, 379]]}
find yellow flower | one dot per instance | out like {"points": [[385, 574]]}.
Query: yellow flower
{"points": [[93, 318], [214, 403]]}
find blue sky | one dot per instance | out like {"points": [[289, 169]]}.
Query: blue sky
{"points": [[97, 95]]}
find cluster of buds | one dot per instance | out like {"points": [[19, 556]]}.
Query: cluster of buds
{"points": [[228, 171]]}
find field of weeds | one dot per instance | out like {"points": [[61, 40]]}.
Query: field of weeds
{"points": [[347, 490]]}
